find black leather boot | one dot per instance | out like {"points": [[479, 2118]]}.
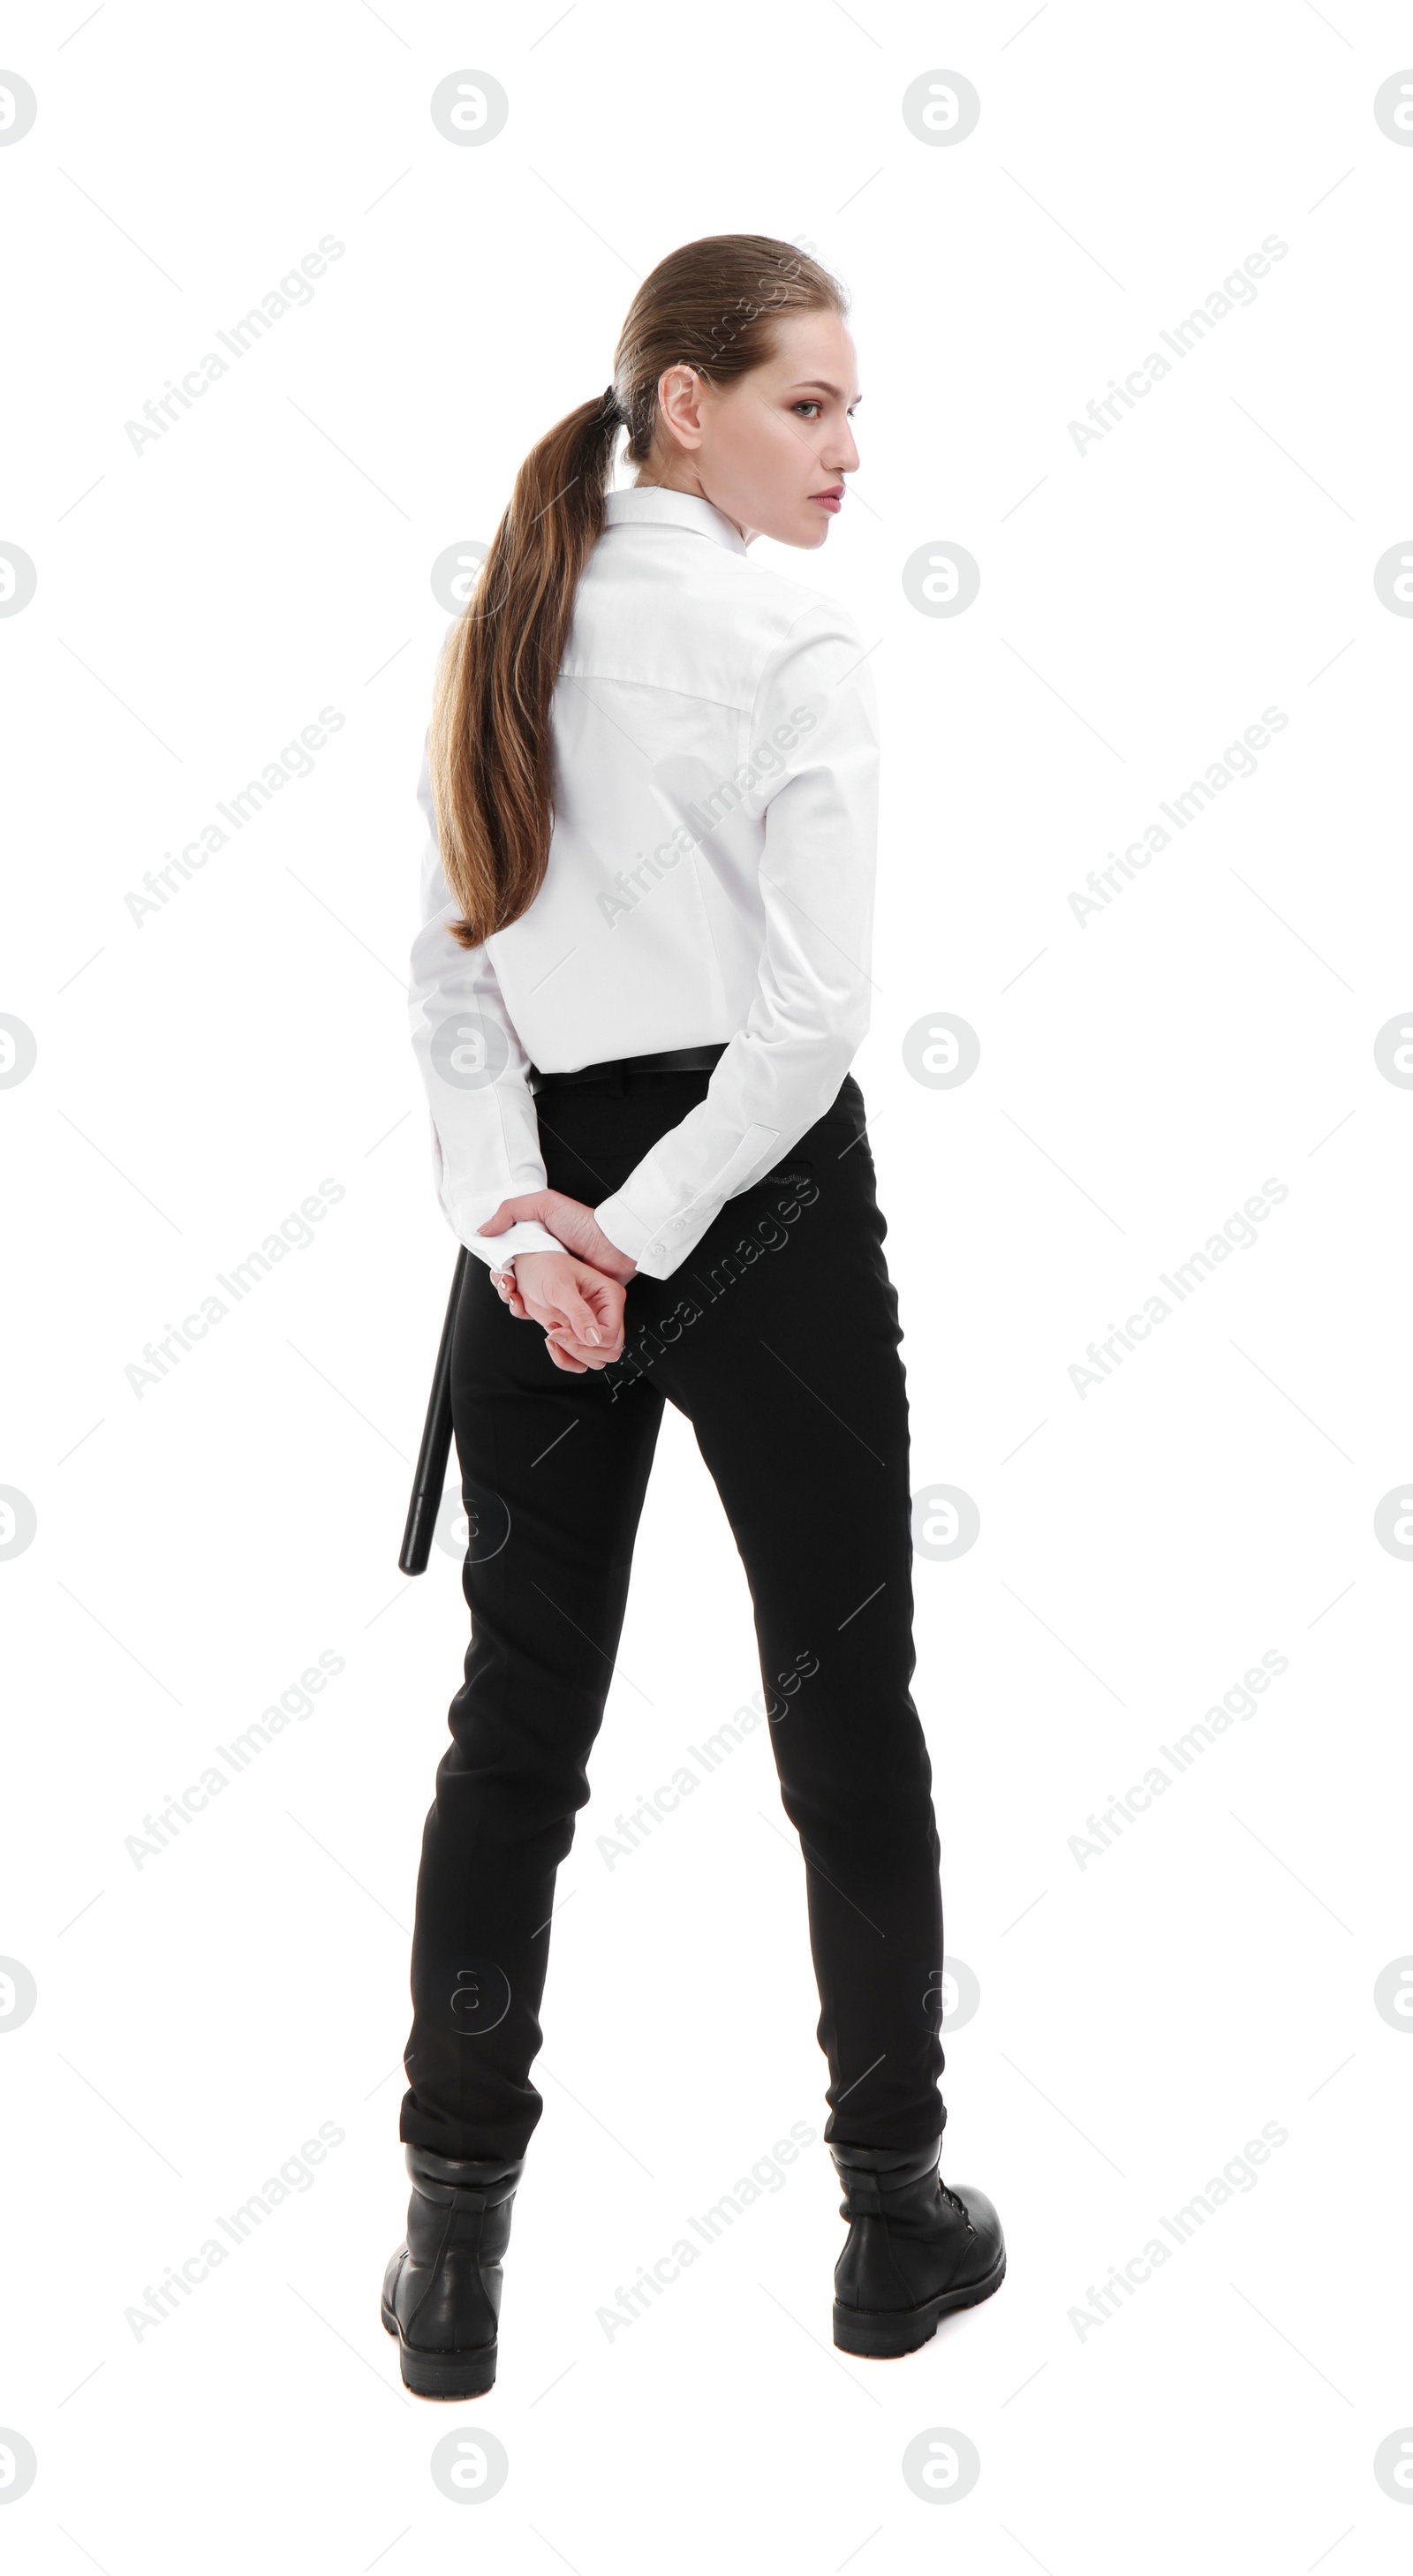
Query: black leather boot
{"points": [[441, 2290], [915, 2250]]}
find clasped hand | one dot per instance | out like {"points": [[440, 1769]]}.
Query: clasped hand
{"points": [[577, 1295]]}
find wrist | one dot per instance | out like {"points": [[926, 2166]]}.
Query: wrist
{"points": [[613, 1263], [610, 1256]]}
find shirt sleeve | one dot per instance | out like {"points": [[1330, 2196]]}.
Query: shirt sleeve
{"points": [[485, 1136], [812, 771]]}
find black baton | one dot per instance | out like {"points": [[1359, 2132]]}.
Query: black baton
{"points": [[430, 1478]]}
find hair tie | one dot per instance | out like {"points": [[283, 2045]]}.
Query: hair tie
{"points": [[611, 406]]}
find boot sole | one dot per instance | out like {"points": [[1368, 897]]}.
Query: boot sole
{"points": [[442, 2374], [885, 2334]]}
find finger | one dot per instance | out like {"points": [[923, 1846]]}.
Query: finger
{"points": [[588, 1354], [510, 1211], [579, 1315], [608, 1347], [609, 1304]]}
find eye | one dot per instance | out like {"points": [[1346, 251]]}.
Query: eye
{"points": [[809, 408]]}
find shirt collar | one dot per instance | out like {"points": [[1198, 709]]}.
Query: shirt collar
{"points": [[655, 505]]}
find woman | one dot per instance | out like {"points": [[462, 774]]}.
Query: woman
{"points": [[641, 979]]}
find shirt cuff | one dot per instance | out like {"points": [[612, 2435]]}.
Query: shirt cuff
{"points": [[657, 1251]]}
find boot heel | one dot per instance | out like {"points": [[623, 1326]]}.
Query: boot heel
{"points": [[448, 2374], [442, 2374], [886, 2334]]}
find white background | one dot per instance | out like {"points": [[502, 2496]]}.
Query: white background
{"points": [[1140, 1547]]}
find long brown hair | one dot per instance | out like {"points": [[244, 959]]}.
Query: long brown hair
{"points": [[712, 305]]}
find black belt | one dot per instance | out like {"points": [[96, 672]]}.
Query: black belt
{"points": [[698, 1059]]}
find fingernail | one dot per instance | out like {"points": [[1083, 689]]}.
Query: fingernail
{"points": [[591, 1335]]}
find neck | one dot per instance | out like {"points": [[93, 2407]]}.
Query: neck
{"points": [[681, 478]]}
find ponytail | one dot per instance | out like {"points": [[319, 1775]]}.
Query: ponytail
{"points": [[490, 743]]}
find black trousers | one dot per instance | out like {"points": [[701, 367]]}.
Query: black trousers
{"points": [[778, 1338]]}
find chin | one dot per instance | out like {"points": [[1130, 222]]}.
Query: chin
{"points": [[804, 533]]}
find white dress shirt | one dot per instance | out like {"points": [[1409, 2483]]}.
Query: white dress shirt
{"points": [[710, 877]]}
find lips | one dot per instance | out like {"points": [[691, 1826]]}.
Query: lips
{"points": [[830, 499]]}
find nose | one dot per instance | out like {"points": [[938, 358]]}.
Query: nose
{"points": [[843, 456]]}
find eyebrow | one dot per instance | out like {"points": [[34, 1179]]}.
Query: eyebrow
{"points": [[821, 385]]}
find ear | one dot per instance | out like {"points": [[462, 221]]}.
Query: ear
{"points": [[679, 398]]}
